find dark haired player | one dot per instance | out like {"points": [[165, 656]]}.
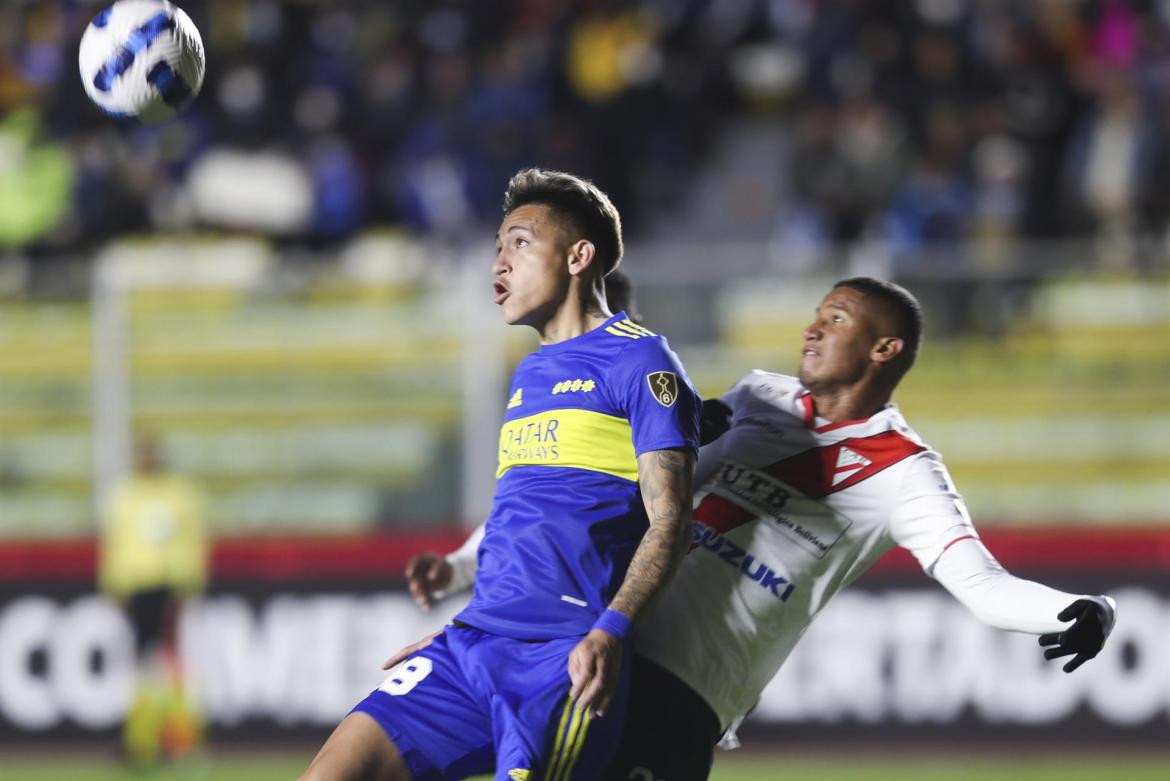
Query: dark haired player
{"points": [[590, 519]]}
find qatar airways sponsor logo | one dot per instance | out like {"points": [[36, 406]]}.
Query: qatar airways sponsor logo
{"points": [[529, 440], [746, 563]]}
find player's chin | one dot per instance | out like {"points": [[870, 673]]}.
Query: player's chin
{"points": [[508, 310], [511, 315], [516, 313]]}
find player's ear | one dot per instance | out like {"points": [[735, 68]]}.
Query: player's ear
{"points": [[582, 255], [886, 349]]}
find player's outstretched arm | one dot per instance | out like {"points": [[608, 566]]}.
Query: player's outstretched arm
{"points": [[666, 478], [996, 597]]}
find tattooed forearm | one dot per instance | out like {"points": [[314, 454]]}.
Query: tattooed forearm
{"points": [[666, 478]]}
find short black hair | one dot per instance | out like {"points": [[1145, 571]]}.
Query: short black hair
{"points": [[900, 303], [578, 200]]}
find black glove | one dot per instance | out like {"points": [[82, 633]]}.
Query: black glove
{"points": [[714, 420], [1092, 621]]}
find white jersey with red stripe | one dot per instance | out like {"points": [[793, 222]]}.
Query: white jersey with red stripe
{"points": [[789, 510]]}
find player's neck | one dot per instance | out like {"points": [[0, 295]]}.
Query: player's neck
{"points": [[843, 404], [573, 318]]}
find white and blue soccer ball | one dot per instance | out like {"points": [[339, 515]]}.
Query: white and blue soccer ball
{"points": [[141, 58]]}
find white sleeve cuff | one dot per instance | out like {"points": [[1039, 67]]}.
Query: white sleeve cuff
{"points": [[464, 563]]}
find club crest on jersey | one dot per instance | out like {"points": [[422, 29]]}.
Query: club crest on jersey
{"points": [[848, 463], [664, 387], [519, 774]]}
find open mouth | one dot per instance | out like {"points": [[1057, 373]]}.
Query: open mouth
{"points": [[500, 291]]}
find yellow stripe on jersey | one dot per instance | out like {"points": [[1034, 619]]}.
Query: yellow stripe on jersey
{"points": [[632, 327], [626, 326], [559, 743], [574, 438], [637, 331], [613, 330], [575, 745]]}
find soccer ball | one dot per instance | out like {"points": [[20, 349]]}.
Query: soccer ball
{"points": [[141, 58]]}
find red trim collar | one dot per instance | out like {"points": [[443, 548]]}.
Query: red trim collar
{"points": [[810, 411], [810, 417]]}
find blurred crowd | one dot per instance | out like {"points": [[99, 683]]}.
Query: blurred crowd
{"points": [[922, 123]]}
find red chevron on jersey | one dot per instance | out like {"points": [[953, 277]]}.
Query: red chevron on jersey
{"points": [[721, 514], [815, 473], [821, 471]]}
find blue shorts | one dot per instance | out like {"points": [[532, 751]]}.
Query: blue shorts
{"points": [[471, 702]]}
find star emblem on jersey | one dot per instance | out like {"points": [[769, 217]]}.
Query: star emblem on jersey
{"points": [[664, 387], [848, 462]]}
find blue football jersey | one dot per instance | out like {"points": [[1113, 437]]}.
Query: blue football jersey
{"points": [[567, 514]]}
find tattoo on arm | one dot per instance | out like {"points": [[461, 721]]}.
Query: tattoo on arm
{"points": [[666, 478]]}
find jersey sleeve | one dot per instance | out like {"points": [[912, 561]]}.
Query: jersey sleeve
{"points": [[738, 398], [656, 396], [738, 394], [998, 598], [930, 515]]}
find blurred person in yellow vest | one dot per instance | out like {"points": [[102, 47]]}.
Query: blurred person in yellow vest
{"points": [[38, 179], [153, 555]]}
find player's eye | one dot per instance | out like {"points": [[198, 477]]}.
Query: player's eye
{"points": [[521, 242]]}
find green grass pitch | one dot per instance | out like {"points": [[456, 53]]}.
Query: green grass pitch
{"points": [[974, 766]]}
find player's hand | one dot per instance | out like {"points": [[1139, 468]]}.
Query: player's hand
{"points": [[1092, 622], [427, 573], [409, 651], [714, 420], [594, 667]]}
